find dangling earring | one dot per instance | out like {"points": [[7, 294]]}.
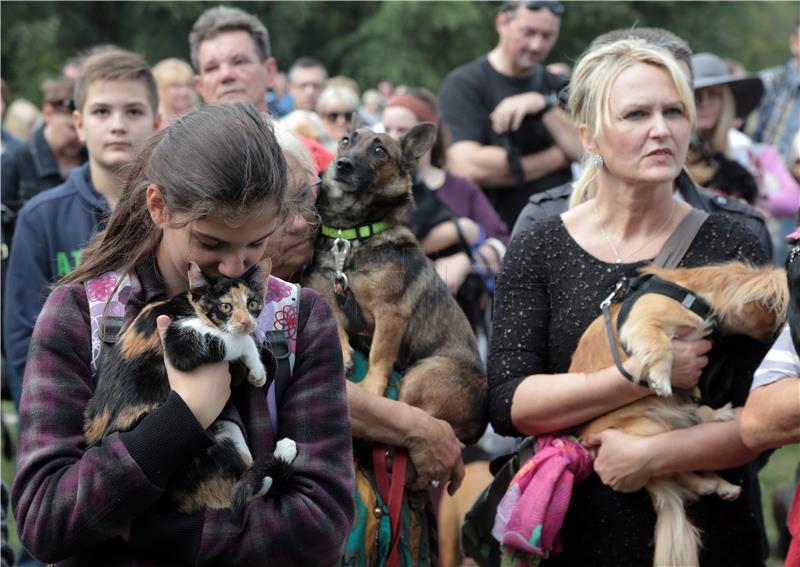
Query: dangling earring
{"points": [[596, 160]]}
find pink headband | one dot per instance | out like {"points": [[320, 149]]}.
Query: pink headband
{"points": [[422, 109]]}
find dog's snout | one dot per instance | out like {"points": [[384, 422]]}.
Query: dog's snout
{"points": [[344, 165]]}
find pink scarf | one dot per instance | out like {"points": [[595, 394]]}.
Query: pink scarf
{"points": [[530, 515]]}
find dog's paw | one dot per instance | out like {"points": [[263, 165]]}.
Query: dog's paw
{"points": [[258, 376], [658, 378], [725, 413], [374, 387], [375, 383], [286, 450], [728, 491], [660, 387]]}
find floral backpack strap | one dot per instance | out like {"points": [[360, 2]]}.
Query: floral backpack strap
{"points": [[106, 309], [277, 326]]}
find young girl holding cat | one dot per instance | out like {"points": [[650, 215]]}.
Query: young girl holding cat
{"points": [[208, 190]]}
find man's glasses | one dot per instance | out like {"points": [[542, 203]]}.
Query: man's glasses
{"points": [[556, 7], [66, 105], [312, 188], [334, 116]]}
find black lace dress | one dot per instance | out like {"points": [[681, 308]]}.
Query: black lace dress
{"points": [[548, 294]]}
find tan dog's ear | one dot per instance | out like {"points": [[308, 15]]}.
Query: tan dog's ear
{"points": [[417, 142]]}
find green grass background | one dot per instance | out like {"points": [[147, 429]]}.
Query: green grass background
{"points": [[779, 470]]}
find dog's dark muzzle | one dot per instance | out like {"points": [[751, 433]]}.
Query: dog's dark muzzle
{"points": [[350, 176]]}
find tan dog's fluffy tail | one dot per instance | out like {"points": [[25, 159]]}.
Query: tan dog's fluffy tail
{"points": [[677, 539]]}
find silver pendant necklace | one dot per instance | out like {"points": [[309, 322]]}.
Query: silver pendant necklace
{"points": [[621, 259]]}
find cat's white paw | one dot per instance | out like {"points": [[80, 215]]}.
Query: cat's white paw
{"points": [[258, 376], [286, 450], [266, 484]]}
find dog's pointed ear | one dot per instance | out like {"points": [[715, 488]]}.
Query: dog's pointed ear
{"points": [[418, 141], [355, 121]]}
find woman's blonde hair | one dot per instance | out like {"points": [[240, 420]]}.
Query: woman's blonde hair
{"points": [[173, 71], [590, 89], [335, 95]]}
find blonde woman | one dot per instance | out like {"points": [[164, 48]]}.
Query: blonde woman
{"points": [[335, 106], [634, 111], [176, 93]]}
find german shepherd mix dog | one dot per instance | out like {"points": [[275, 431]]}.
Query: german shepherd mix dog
{"points": [[744, 300], [366, 254]]}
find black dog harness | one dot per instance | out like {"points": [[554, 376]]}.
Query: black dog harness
{"points": [[628, 290]]}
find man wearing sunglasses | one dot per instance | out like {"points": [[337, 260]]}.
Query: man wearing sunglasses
{"points": [[509, 133], [53, 151]]}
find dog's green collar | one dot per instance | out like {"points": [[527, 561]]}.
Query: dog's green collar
{"points": [[362, 232]]}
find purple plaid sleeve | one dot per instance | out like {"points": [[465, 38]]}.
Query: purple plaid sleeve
{"points": [[67, 498], [309, 524]]}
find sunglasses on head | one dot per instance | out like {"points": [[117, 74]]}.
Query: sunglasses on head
{"points": [[556, 7], [334, 116]]}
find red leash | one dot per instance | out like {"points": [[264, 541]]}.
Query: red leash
{"points": [[391, 493]]}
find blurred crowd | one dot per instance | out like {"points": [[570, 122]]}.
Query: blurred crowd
{"points": [[506, 157]]}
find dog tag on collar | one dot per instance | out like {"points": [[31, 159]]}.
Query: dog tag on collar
{"points": [[340, 250]]}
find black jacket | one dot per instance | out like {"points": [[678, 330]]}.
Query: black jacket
{"points": [[555, 201]]}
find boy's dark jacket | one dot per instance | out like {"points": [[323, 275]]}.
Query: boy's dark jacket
{"points": [[52, 229]]}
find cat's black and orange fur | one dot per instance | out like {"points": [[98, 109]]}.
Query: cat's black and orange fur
{"points": [[209, 323]]}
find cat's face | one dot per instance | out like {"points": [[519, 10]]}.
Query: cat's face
{"points": [[231, 304]]}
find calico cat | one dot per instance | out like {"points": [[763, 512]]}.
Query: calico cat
{"points": [[209, 323]]}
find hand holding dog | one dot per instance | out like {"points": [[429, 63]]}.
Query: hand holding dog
{"points": [[622, 461], [435, 454], [689, 359], [205, 389]]}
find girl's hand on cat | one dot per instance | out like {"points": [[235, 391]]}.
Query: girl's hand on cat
{"points": [[205, 389]]}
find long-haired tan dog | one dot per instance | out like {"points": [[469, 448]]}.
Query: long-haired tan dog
{"points": [[745, 300]]}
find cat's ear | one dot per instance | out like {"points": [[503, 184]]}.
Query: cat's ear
{"points": [[196, 277]]}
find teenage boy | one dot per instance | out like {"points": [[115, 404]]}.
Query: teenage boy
{"points": [[116, 102]]}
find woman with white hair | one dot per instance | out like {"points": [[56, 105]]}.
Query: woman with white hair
{"points": [[336, 105], [634, 110]]}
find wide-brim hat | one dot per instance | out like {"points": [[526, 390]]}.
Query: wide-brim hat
{"points": [[710, 71]]}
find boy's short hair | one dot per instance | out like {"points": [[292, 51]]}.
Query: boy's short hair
{"points": [[115, 65], [215, 21]]}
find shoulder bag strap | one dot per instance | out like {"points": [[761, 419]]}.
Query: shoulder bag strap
{"points": [[679, 241], [106, 310], [277, 327]]}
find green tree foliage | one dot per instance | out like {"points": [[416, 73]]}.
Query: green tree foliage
{"points": [[411, 42]]}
